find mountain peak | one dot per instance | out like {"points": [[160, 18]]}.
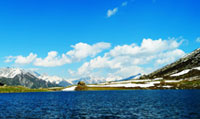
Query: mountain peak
{"points": [[11, 72]]}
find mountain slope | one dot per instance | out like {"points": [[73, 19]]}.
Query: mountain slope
{"points": [[131, 77], [27, 81], [189, 62]]}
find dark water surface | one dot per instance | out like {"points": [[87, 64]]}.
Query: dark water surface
{"points": [[152, 104]]}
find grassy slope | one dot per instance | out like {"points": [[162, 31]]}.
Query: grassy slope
{"points": [[16, 89], [103, 88]]}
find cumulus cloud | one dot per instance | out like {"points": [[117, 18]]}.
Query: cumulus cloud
{"points": [[198, 40], [126, 60], [25, 60], [21, 59], [83, 50], [148, 47], [79, 52], [167, 57], [112, 12], [52, 60]]}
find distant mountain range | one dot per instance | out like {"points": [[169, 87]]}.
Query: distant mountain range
{"points": [[89, 80], [30, 79], [96, 80]]}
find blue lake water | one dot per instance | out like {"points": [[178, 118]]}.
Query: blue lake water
{"points": [[152, 104]]}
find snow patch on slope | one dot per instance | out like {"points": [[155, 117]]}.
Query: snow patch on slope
{"points": [[148, 84], [181, 73], [184, 71], [11, 72], [197, 68], [72, 88]]}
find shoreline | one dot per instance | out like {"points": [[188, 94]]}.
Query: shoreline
{"points": [[123, 88], [99, 90], [162, 85], [22, 89]]}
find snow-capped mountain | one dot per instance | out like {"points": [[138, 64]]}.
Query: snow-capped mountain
{"points": [[55, 79], [31, 79], [96, 80], [11, 72]]}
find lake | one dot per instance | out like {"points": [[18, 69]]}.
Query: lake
{"points": [[133, 104]]}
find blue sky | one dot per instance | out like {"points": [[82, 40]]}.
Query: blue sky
{"points": [[42, 26]]}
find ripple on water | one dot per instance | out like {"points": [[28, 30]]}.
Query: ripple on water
{"points": [[102, 104]]}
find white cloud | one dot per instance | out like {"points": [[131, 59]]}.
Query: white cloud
{"points": [[112, 12], [52, 60], [124, 3], [126, 60], [83, 50], [21, 59], [79, 52], [198, 40], [147, 48], [169, 57], [112, 77], [25, 60]]}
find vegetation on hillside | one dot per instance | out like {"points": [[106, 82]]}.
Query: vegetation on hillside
{"points": [[20, 89]]}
